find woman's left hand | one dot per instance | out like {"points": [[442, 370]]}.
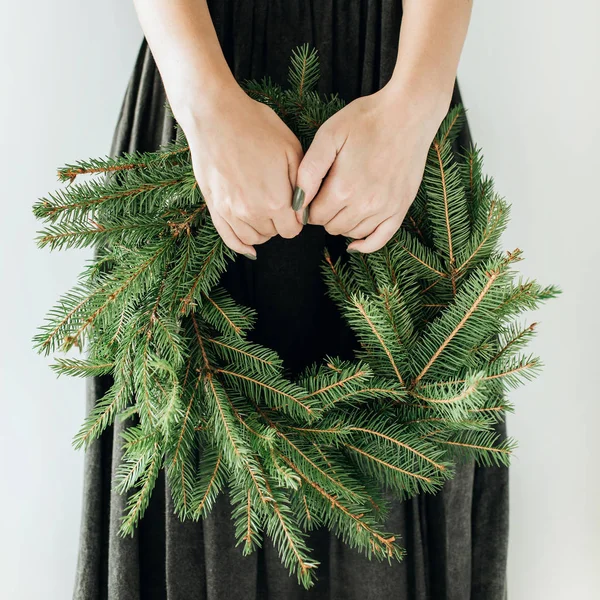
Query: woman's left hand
{"points": [[371, 155]]}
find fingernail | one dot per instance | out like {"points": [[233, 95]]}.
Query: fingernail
{"points": [[298, 198], [352, 250], [305, 216], [250, 256]]}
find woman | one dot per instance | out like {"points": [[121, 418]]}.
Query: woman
{"points": [[395, 64]]}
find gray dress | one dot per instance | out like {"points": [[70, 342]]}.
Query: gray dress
{"points": [[456, 539]]}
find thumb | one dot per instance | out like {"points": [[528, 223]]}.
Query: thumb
{"points": [[312, 170]]}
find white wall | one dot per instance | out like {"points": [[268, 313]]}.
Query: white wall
{"points": [[64, 68], [529, 76]]}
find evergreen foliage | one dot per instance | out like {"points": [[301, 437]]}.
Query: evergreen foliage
{"points": [[435, 311]]}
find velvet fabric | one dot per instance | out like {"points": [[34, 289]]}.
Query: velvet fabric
{"points": [[456, 540]]}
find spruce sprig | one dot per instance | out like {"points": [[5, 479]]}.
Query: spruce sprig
{"points": [[435, 313]]}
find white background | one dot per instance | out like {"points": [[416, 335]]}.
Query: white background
{"points": [[529, 77]]}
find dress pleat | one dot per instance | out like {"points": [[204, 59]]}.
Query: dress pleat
{"points": [[456, 540]]}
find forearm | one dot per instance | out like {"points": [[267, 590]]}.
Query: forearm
{"points": [[432, 36], [185, 47]]}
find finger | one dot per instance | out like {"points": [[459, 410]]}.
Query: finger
{"points": [[294, 158], [262, 225], [301, 216], [229, 237], [246, 232], [333, 225], [265, 227], [284, 219], [286, 224], [378, 239], [315, 164], [331, 199], [364, 228], [351, 216], [250, 223]]}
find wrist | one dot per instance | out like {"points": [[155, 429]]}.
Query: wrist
{"points": [[195, 100], [425, 100]]}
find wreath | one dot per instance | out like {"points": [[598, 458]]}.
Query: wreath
{"points": [[435, 312]]}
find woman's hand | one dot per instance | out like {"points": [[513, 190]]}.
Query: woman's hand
{"points": [[373, 154], [245, 159]]}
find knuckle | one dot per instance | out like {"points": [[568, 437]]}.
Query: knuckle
{"points": [[290, 232], [297, 147], [325, 132], [274, 204], [370, 201], [307, 169], [343, 190], [233, 195], [246, 238], [223, 204], [262, 239], [244, 211], [266, 108], [316, 217], [294, 146]]}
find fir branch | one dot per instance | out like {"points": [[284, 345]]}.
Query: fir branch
{"points": [[433, 313], [138, 502], [474, 299]]}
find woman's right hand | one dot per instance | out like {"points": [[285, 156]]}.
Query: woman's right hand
{"points": [[245, 159]]}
